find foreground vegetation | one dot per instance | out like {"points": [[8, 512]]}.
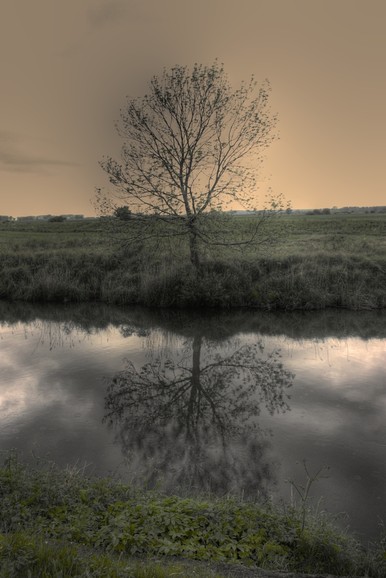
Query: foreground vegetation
{"points": [[60, 523], [311, 262]]}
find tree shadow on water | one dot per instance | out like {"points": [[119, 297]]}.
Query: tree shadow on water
{"points": [[189, 421]]}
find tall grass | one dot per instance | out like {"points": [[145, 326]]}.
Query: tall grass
{"points": [[316, 262]]}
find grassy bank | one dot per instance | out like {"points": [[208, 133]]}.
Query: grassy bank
{"points": [[314, 263], [60, 523]]}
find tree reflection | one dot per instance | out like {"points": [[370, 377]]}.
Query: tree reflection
{"points": [[190, 420]]}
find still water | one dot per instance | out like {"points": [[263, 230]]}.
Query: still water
{"points": [[225, 403]]}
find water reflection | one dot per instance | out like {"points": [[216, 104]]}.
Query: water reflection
{"points": [[53, 399], [190, 420], [293, 324]]}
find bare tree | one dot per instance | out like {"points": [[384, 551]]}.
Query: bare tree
{"points": [[190, 150]]}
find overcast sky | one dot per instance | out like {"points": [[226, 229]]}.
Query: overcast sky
{"points": [[67, 66]]}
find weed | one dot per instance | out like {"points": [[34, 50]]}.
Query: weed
{"points": [[303, 491], [61, 523]]}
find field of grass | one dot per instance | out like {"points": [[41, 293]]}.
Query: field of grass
{"points": [[310, 262], [61, 523]]}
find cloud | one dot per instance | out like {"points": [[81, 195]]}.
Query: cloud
{"points": [[14, 159]]}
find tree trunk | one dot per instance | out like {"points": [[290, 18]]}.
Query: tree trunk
{"points": [[193, 245]]}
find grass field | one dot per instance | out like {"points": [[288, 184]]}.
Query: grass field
{"points": [[310, 262]]}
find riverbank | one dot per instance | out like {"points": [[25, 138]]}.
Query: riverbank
{"points": [[315, 262], [59, 522]]}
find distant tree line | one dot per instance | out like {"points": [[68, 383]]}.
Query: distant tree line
{"points": [[343, 210], [50, 218], [319, 212]]}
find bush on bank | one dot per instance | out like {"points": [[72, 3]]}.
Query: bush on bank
{"points": [[287, 283], [50, 514]]}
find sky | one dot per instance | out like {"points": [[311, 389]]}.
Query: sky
{"points": [[66, 69]]}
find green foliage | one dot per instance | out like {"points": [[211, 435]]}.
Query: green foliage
{"points": [[22, 555], [56, 522]]}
